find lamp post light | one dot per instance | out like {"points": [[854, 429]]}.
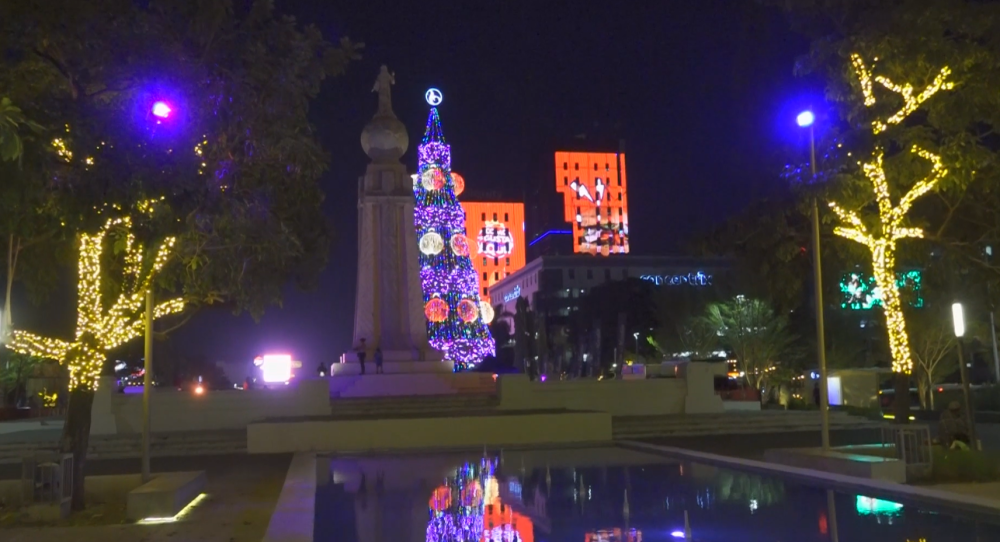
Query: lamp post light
{"points": [[636, 335], [806, 119], [958, 320]]}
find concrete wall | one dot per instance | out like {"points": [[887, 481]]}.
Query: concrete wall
{"points": [[510, 429], [692, 393], [383, 385], [172, 410], [97, 489]]}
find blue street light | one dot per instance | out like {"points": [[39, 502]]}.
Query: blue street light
{"points": [[805, 119], [161, 110]]}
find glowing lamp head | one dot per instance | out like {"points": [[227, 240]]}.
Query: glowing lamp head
{"points": [[161, 110], [805, 119], [958, 319], [199, 390], [277, 368]]}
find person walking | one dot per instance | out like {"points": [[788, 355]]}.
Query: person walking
{"points": [[362, 354], [378, 361]]}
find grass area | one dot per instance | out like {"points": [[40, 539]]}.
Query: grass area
{"points": [[964, 466], [107, 513]]}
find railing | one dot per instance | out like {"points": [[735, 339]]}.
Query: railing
{"points": [[910, 444]]}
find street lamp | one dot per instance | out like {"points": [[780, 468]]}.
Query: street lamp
{"points": [[958, 320], [806, 119], [162, 110], [636, 335]]}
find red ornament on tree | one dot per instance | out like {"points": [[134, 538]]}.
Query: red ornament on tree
{"points": [[436, 310], [467, 310], [458, 183], [460, 244]]}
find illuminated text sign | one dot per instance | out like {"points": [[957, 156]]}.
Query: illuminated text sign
{"points": [[495, 240], [691, 279], [512, 295]]}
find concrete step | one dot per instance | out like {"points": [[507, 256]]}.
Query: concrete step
{"points": [[741, 423], [167, 445]]}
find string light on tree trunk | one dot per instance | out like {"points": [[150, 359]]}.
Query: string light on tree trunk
{"points": [[882, 242], [99, 330]]}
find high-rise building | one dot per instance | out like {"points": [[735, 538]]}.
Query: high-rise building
{"points": [[496, 240], [595, 203]]}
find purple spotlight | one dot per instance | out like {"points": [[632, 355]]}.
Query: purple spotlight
{"points": [[161, 110], [805, 119]]}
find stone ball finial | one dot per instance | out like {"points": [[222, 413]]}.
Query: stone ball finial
{"points": [[384, 139]]}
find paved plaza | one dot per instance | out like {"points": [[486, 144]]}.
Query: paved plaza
{"points": [[242, 492]]}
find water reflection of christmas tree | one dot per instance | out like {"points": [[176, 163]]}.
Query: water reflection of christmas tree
{"points": [[468, 508]]}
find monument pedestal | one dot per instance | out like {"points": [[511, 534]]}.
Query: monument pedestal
{"points": [[349, 366]]}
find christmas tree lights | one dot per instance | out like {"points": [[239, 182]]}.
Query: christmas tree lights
{"points": [[99, 330], [881, 241], [455, 322]]}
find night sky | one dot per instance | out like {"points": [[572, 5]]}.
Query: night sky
{"points": [[703, 93]]}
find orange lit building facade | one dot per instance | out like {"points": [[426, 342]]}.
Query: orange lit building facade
{"points": [[496, 238], [595, 200]]}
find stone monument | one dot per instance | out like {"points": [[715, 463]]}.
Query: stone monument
{"points": [[388, 310]]}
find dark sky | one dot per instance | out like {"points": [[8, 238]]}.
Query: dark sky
{"points": [[702, 92]]}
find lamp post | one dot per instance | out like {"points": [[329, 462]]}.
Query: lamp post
{"points": [[806, 119], [636, 335], [958, 320]]}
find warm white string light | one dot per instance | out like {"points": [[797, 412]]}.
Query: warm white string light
{"points": [[882, 244], [99, 330]]}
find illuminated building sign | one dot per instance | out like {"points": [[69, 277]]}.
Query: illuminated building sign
{"points": [[593, 186], [497, 229], [495, 240], [512, 295], [691, 279], [861, 293]]}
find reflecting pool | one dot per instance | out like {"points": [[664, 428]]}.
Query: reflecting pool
{"points": [[604, 495]]}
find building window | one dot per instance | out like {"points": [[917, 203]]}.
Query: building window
{"points": [[484, 261], [572, 273], [607, 167], [484, 275], [494, 217], [590, 273], [505, 217], [619, 196], [619, 211], [484, 217], [484, 290], [506, 261], [496, 275], [565, 180], [595, 166], [607, 274], [565, 165], [506, 273], [496, 260], [576, 166], [619, 180]]}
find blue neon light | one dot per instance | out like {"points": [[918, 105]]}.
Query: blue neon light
{"points": [[553, 232]]}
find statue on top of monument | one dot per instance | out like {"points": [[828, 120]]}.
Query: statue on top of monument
{"points": [[383, 85]]}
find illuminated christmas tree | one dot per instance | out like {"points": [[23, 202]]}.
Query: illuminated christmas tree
{"points": [[452, 306], [889, 227]]}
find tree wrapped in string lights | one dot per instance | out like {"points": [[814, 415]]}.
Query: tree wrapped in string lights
{"points": [[451, 290], [102, 327], [890, 226]]}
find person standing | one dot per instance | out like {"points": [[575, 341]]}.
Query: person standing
{"points": [[378, 361], [321, 370], [362, 354]]}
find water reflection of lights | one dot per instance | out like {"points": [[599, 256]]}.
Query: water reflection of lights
{"points": [[753, 505], [478, 515], [614, 535], [882, 510]]}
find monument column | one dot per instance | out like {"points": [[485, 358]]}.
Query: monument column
{"points": [[389, 304]]}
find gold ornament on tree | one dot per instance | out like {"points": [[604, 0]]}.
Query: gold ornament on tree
{"points": [[99, 328], [881, 241]]}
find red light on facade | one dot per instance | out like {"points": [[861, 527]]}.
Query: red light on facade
{"points": [[595, 202]]}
